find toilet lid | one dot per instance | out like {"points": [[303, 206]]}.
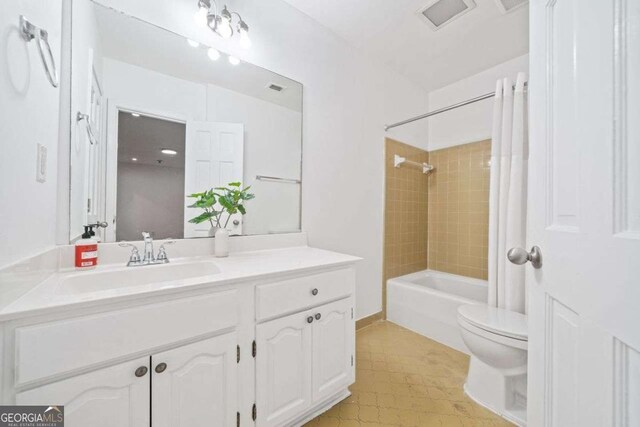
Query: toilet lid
{"points": [[496, 320]]}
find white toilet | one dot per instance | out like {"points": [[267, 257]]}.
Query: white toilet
{"points": [[497, 378]]}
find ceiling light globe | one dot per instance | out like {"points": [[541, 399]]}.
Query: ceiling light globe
{"points": [[224, 29], [245, 41], [193, 43], [213, 54], [233, 60], [200, 17]]}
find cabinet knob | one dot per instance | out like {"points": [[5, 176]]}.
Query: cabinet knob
{"points": [[141, 371], [310, 319], [314, 292], [318, 316], [160, 367]]}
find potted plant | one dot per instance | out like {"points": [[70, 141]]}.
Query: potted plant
{"points": [[219, 205]]}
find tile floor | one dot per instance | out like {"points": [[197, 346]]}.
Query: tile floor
{"points": [[405, 379]]}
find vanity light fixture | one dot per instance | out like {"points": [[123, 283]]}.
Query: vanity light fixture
{"points": [[213, 54], [135, 114], [134, 159], [221, 21], [233, 60], [193, 43], [168, 152]]}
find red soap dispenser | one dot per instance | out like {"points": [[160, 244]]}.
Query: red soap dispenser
{"points": [[87, 249]]}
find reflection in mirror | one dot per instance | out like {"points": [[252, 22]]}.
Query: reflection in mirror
{"points": [[168, 120]]}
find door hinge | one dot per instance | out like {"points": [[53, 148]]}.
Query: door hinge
{"points": [[254, 412], [237, 419], [352, 312], [238, 354], [254, 348], [352, 360]]}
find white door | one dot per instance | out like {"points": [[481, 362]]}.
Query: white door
{"points": [[195, 385], [333, 348], [110, 397], [283, 369], [213, 158], [584, 214]]}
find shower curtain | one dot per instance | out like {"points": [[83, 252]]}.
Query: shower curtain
{"points": [[508, 195]]}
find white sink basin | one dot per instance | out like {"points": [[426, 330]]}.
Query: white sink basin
{"points": [[97, 281]]}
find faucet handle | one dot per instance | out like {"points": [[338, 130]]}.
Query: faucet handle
{"points": [[134, 258], [162, 253], [146, 236]]}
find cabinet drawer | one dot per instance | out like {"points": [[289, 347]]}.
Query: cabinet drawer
{"points": [[288, 296], [54, 348]]}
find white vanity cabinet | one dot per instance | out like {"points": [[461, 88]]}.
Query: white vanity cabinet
{"points": [[305, 358], [196, 384], [271, 350], [113, 396]]}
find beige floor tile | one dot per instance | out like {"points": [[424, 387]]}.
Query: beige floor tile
{"points": [[404, 379]]}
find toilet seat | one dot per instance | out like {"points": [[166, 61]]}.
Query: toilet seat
{"points": [[493, 320]]}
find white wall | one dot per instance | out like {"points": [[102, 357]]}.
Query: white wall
{"points": [[347, 101], [29, 114], [472, 122]]}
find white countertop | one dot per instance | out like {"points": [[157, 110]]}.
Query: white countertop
{"points": [[46, 297]]}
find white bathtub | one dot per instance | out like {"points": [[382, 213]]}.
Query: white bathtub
{"points": [[427, 302]]}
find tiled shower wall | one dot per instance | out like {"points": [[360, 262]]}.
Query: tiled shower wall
{"points": [[459, 209], [439, 221], [406, 214]]}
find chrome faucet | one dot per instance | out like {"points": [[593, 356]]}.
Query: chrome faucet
{"points": [[148, 257]]}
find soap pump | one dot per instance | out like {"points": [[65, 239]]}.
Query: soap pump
{"points": [[87, 249]]}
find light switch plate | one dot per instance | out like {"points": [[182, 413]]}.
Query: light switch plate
{"points": [[41, 164]]}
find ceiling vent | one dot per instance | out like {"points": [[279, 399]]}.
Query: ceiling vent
{"points": [[507, 6], [275, 87], [441, 12]]}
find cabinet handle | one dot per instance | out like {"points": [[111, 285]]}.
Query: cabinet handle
{"points": [[310, 319], [141, 371], [314, 292], [160, 367], [318, 316]]}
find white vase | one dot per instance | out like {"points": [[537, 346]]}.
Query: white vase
{"points": [[212, 231], [221, 243]]}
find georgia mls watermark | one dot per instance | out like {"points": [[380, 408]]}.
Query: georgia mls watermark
{"points": [[31, 416]]}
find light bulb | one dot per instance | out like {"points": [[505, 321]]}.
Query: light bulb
{"points": [[233, 60], [245, 41], [193, 43], [201, 16], [213, 54], [224, 29]]}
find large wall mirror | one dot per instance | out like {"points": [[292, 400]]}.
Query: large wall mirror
{"points": [[157, 117]]}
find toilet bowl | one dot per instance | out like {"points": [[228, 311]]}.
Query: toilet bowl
{"points": [[497, 340]]}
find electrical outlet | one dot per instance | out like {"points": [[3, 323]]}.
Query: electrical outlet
{"points": [[41, 164]]}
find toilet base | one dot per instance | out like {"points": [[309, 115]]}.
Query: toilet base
{"points": [[503, 395]]}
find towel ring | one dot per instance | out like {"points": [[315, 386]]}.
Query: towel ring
{"points": [[92, 138], [30, 32]]}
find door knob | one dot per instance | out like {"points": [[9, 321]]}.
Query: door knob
{"points": [[318, 316], [520, 256], [160, 367], [314, 291], [141, 371], [310, 319]]}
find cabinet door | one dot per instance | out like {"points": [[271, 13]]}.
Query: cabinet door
{"points": [[110, 397], [195, 385], [283, 369], [333, 348]]}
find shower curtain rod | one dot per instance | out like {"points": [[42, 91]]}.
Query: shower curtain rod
{"points": [[442, 110]]}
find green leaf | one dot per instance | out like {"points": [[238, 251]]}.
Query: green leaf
{"points": [[242, 209], [234, 184]]}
